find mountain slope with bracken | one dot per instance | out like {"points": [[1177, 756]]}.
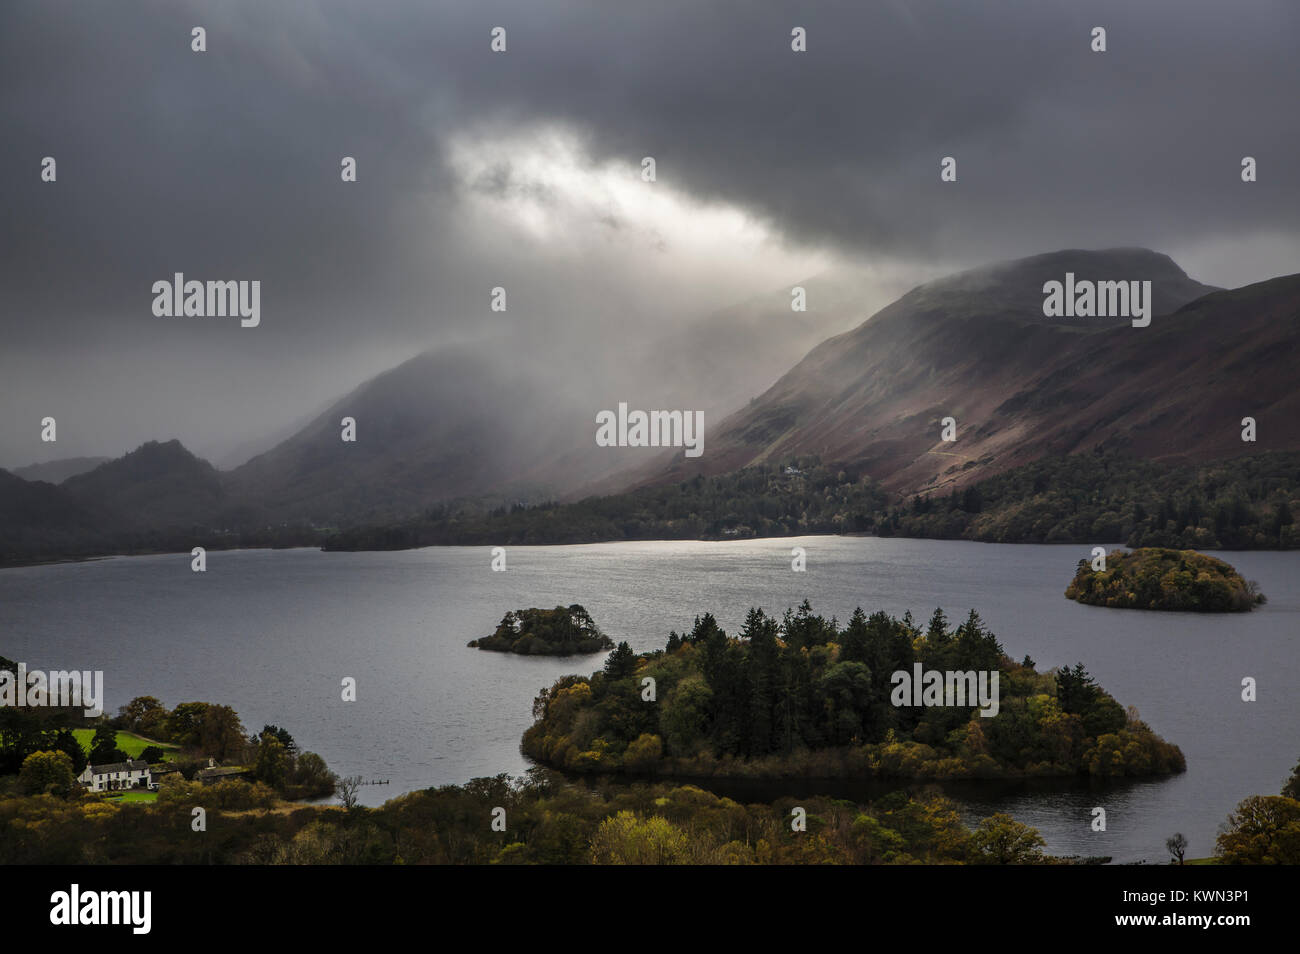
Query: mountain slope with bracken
{"points": [[976, 347]]}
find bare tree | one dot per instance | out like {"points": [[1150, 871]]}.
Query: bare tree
{"points": [[1177, 846], [348, 789]]}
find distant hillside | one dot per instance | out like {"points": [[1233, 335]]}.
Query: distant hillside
{"points": [[158, 498], [39, 521], [445, 424], [458, 445], [460, 422], [976, 347], [155, 486], [57, 471], [1244, 503]]}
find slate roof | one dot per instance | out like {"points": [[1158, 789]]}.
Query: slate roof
{"points": [[130, 765]]}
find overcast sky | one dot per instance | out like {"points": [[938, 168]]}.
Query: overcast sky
{"points": [[522, 169]]}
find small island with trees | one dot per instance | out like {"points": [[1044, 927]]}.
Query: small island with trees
{"points": [[1157, 578], [803, 696], [563, 631]]}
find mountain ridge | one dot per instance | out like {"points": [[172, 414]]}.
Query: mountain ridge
{"points": [[1019, 386]]}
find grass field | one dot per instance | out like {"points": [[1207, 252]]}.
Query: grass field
{"points": [[128, 742], [126, 797]]}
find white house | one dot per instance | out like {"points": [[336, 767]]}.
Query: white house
{"points": [[116, 775]]}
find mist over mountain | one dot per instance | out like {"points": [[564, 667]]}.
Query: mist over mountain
{"points": [[977, 347], [228, 456], [460, 424], [719, 364], [504, 170], [445, 424], [471, 420], [491, 419]]}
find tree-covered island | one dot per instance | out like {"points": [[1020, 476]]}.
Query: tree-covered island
{"points": [[1162, 579], [563, 631], [802, 697]]}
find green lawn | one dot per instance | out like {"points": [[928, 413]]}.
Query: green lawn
{"points": [[128, 742], [135, 797]]}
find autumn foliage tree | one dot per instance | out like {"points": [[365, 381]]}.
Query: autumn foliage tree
{"points": [[1001, 840], [1262, 830], [47, 773]]}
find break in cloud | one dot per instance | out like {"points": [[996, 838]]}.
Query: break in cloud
{"points": [[522, 169]]}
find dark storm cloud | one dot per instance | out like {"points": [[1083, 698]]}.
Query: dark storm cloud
{"points": [[1055, 144], [226, 164]]}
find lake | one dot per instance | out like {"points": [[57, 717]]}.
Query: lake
{"points": [[273, 633]]}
